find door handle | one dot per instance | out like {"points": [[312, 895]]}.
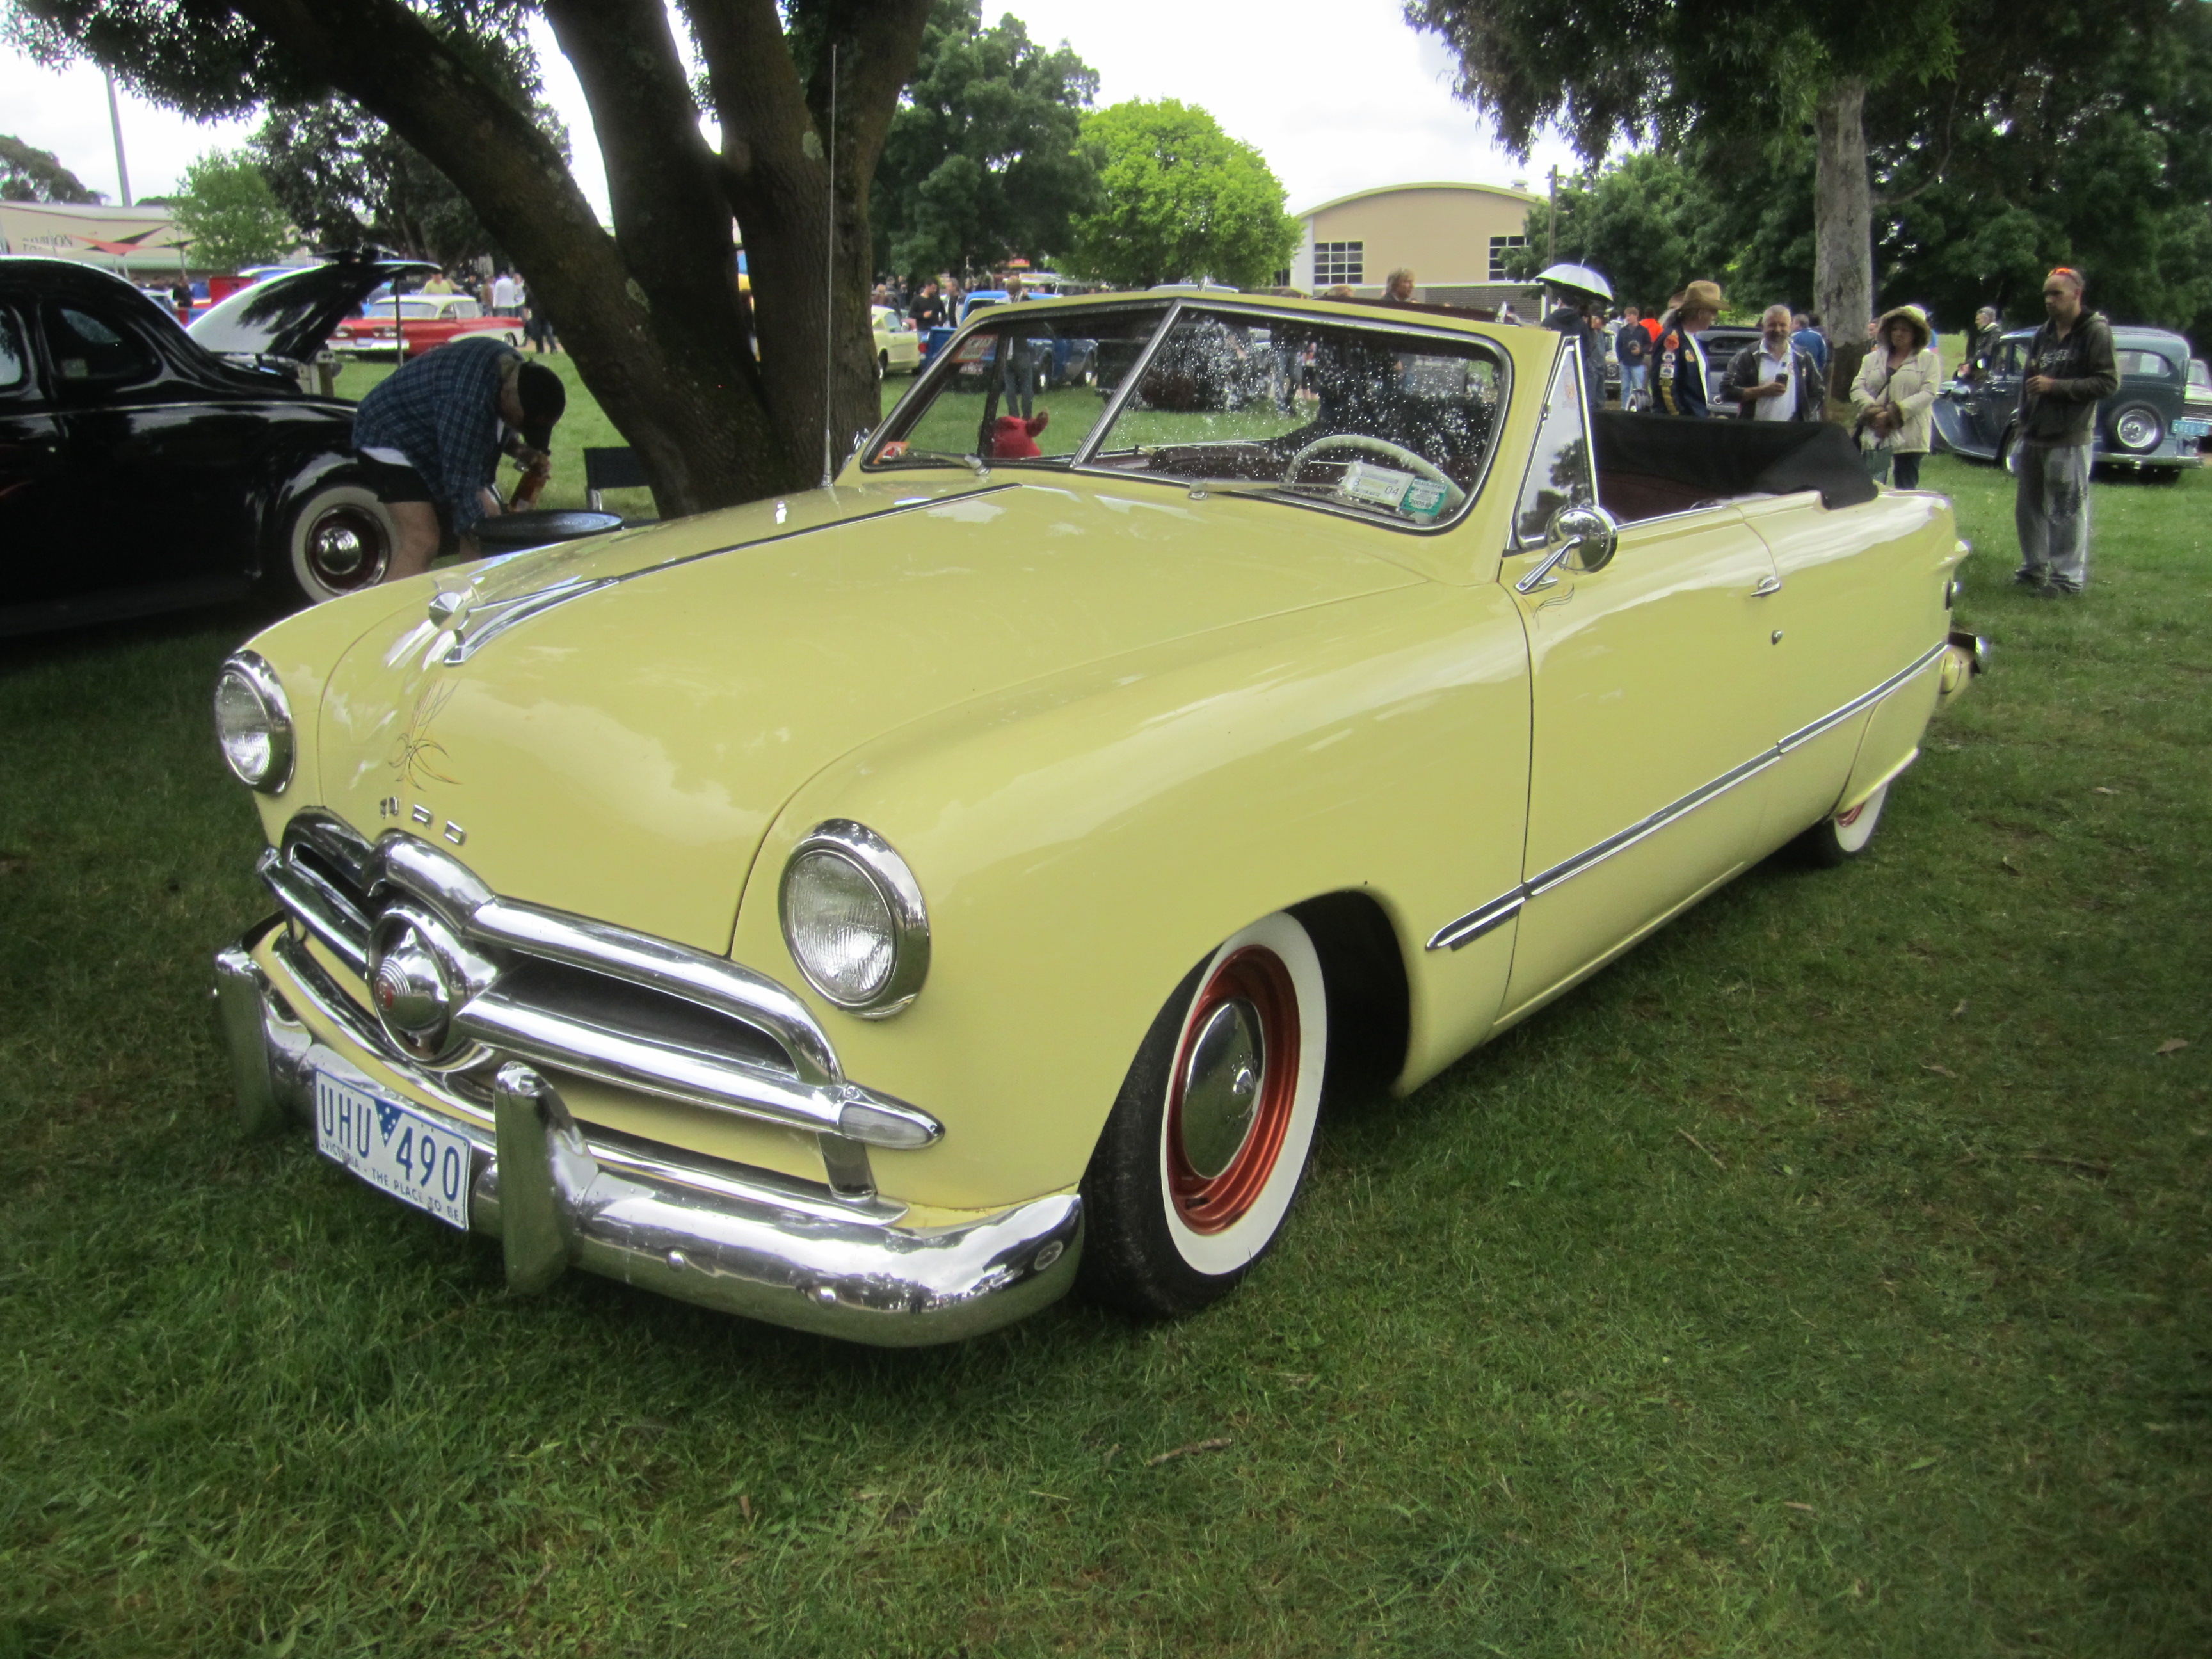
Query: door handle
{"points": [[1768, 587]]}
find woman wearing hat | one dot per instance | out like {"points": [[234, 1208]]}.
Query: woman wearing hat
{"points": [[1678, 376], [1896, 388]]}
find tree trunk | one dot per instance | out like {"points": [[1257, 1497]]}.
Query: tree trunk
{"points": [[1843, 219], [651, 314]]}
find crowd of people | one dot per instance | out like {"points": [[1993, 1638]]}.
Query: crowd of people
{"points": [[1792, 372]]}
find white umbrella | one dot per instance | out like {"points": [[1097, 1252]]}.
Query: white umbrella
{"points": [[1581, 278]]}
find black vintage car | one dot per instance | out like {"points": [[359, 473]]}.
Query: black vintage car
{"points": [[2151, 425], [143, 468]]}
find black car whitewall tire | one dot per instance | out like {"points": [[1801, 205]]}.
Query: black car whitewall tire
{"points": [[338, 540], [1207, 1143], [1836, 840]]}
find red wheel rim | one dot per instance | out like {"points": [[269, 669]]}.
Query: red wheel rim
{"points": [[1212, 1204]]}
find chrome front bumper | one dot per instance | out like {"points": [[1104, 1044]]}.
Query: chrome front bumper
{"points": [[742, 1242]]}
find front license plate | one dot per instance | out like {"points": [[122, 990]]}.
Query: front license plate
{"points": [[394, 1148], [2193, 429]]}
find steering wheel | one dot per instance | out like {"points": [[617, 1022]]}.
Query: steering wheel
{"points": [[1453, 494]]}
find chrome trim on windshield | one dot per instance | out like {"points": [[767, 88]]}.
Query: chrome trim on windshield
{"points": [[1465, 930]]}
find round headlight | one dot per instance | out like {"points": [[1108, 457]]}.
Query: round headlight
{"points": [[253, 722], [854, 917]]}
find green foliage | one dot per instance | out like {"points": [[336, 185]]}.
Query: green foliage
{"points": [[983, 160], [348, 180], [2107, 167], [230, 215], [1180, 199], [31, 175], [1644, 221]]}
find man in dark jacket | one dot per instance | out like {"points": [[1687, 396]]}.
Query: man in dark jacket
{"points": [[1773, 379], [2069, 368]]}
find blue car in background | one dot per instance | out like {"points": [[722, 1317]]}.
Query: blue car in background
{"points": [[2151, 426]]}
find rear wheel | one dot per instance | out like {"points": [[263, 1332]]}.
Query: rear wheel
{"points": [[2138, 429], [2008, 451], [1194, 1175], [1834, 841], [338, 540]]}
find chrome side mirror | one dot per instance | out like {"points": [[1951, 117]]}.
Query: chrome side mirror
{"points": [[1584, 539], [1589, 535]]}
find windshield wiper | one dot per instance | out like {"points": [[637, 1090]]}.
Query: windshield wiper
{"points": [[935, 457]]}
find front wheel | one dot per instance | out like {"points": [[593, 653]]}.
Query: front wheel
{"points": [[338, 540], [1835, 840], [1207, 1142]]}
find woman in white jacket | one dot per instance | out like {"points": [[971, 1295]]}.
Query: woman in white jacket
{"points": [[1895, 391]]}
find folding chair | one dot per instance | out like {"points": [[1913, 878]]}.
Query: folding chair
{"points": [[610, 469]]}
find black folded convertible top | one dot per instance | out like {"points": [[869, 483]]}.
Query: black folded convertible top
{"points": [[1735, 457]]}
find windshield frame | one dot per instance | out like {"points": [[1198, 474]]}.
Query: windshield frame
{"points": [[1083, 460], [942, 364]]}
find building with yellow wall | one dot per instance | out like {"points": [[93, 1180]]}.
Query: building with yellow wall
{"points": [[1454, 236]]}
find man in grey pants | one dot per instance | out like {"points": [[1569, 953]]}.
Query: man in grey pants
{"points": [[2070, 367]]}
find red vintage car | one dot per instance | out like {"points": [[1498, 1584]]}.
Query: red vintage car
{"points": [[428, 321]]}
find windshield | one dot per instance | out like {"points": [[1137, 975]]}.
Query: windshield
{"points": [[1393, 425]]}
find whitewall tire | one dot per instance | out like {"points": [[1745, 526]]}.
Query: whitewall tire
{"points": [[1845, 836], [338, 540], [1208, 1141]]}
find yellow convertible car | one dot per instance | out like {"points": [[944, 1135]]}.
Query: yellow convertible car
{"points": [[880, 909]]}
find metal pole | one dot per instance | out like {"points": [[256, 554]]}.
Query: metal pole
{"points": [[1551, 226], [828, 282], [115, 120]]}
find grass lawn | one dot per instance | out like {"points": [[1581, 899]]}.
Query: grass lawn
{"points": [[1832, 1276]]}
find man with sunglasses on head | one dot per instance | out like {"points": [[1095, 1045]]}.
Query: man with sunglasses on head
{"points": [[2069, 368]]}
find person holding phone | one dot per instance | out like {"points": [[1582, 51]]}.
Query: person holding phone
{"points": [[1776, 379]]}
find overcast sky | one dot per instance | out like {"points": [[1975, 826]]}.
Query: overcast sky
{"points": [[1339, 96]]}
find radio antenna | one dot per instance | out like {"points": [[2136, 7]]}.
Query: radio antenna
{"points": [[829, 280]]}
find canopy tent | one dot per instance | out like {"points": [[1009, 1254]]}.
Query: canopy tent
{"points": [[137, 242]]}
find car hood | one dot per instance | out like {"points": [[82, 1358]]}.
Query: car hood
{"points": [[291, 316], [621, 754]]}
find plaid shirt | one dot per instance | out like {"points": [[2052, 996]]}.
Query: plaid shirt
{"points": [[442, 412]]}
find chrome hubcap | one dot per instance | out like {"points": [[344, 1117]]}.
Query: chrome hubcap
{"points": [[346, 548], [1221, 1087]]}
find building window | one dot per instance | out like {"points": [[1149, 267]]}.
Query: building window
{"points": [[1498, 245], [1281, 278], [1339, 262]]}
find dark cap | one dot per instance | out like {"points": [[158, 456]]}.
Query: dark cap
{"points": [[544, 399]]}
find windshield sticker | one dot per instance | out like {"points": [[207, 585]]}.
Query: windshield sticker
{"points": [[1424, 499], [1378, 486]]}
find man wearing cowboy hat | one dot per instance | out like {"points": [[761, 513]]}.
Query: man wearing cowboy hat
{"points": [[1678, 379]]}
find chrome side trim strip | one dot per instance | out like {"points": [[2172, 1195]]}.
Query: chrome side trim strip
{"points": [[1591, 858], [1476, 922], [1479, 920], [1807, 733]]}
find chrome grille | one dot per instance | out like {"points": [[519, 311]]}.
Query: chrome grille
{"points": [[585, 996]]}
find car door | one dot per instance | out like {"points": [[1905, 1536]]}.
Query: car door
{"points": [[1648, 731], [155, 462], [31, 489], [1997, 397]]}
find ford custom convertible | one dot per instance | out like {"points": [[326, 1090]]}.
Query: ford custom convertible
{"points": [[881, 909]]}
